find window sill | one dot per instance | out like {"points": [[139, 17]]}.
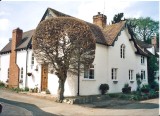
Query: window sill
{"points": [[131, 81], [88, 79], [115, 81]]}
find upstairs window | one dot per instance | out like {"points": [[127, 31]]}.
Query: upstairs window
{"points": [[142, 60], [32, 59], [143, 76], [21, 73], [130, 74], [122, 51], [114, 73], [89, 73]]}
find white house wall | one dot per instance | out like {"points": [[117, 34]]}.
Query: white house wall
{"points": [[130, 62], [91, 86], [4, 65]]}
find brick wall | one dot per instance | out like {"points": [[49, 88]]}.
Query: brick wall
{"points": [[14, 69], [100, 20]]}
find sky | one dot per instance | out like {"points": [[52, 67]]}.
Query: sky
{"points": [[27, 14]]}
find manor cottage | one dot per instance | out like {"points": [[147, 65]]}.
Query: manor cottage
{"points": [[118, 58]]}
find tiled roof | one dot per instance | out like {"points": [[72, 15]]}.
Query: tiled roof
{"points": [[143, 44], [7, 48], [24, 43], [112, 31]]}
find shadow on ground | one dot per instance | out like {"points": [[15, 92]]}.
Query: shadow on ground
{"points": [[36, 111], [135, 105]]}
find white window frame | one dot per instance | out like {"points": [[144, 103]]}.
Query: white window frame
{"points": [[114, 72], [143, 74], [131, 75], [87, 72], [122, 51], [142, 59]]}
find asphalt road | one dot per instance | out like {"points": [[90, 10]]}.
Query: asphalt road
{"points": [[23, 105]]}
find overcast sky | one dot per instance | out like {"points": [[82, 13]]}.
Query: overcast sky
{"points": [[27, 14]]}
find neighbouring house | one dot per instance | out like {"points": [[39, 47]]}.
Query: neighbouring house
{"points": [[118, 58]]}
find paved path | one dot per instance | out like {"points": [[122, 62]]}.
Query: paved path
{"points": [[42, 107]]}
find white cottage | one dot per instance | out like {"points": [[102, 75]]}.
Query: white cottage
{"points": [[118, 58]]}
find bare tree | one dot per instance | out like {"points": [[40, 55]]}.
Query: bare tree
{"points": [[65, 44]]}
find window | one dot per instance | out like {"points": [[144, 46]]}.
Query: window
{"points": [[130, 74], [21, 73], [8, 73], [122, 51], [114, 73], [143, 76], [32, 60], [142, 59], [89, 73]]}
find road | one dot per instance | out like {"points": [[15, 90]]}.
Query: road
{"points": [[24, 105]]}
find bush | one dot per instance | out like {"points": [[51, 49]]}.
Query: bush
{"points": [[2, 84], [126, 88], [26, 89], [47, 91], [104, 88], [154, 85], [145, 89]]}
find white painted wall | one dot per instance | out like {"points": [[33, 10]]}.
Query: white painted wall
{"points": [[131, 61], [91, 86], [4, 64]]}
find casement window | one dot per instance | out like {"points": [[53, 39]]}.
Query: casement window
{"points": [[143, 75], [21, 73], [32, 59], [122, 51], [114, 73], [130, 74], [89, 73], [142, 59]]}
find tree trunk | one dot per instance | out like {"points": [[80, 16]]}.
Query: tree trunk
{"points": [[60, 93]]}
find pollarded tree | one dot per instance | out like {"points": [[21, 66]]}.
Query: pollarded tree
{"points": [[64, 44]]}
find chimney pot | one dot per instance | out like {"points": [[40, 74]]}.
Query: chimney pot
{"points": [[99, 13]]}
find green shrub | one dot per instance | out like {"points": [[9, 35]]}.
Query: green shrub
{"points": [[154, 85], [113, 95], [2, 84], [26, 89], [104, 88], [135, 97], [126, 88], [145, 88]]}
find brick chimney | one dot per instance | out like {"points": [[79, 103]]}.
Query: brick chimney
{"points": [[100, 20], [154, 41], [14, 69]]}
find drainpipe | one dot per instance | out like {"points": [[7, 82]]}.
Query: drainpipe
{"points": [[26, 67]]}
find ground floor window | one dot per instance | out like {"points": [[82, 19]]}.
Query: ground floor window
{"points": [[89, 72], [143, 76], [114, 73], [130, 74]]}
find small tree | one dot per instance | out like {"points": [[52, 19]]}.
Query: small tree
{"points": [[65, 44], [117, 18]]}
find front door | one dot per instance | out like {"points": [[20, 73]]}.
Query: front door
{"points": [[44, 77]]}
